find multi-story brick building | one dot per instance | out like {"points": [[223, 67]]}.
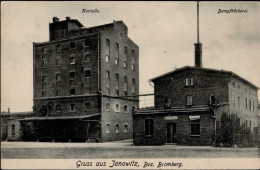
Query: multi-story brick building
{"points": [[86, 82], [190, 101]]}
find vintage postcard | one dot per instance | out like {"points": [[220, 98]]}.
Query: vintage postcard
{"points": [[130, 85]]}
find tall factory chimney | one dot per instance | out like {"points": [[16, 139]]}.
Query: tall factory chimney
{"points": [[198, 45]]}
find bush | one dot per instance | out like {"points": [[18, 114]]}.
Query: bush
{"points": [[231, 134]]}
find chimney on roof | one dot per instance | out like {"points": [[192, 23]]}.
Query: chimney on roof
{"points": [[55, 19], [8, 110], [67, 18], [198, 45]]}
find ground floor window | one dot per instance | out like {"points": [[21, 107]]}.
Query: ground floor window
{"points": [[195, 127], [148, 127], [13, 130], [126, 128], [117, 128], [108, 128]]}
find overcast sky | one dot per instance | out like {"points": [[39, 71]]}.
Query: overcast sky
{"points": [[164, 31]]}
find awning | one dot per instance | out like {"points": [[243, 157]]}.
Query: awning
{"points": [[57, 117], [194, 117]]}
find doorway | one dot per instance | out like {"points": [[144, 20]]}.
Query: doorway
{"points": [[171, 133]]}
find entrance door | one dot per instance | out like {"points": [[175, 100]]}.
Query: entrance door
{"points": [[171, 132]]}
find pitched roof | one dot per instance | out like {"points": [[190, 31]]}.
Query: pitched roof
{"points": [[232, 74]]}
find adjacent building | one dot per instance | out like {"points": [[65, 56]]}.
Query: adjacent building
{"points": [[85, 83], [189, 103]]}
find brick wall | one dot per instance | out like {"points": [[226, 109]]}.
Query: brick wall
{"points": [[205, 83], [183, 130]]}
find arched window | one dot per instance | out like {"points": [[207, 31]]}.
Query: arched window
{"points": [[117, 128], [117, 83], [125, 85], [126, 128], [58, 108], [148, 127], [125, 108]]}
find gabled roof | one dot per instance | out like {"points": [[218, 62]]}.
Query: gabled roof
{"points": [[230, 73]]}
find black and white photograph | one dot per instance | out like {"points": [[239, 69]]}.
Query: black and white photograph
{"points": [[130, 85]]}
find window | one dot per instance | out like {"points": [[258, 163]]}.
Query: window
{"points": [[167, 102], [125, 85], [57, 93], [117, 108], [117, 54], [133, 67], [108, 107], [72, 45], [44, 50], [133, 86], [233, 84], [87, 107], [58, 108], [44, 61], [107, 50], [126, 128], [234, 100], [108, 128], [72, 108], [72, 59], [72, 91], [187, 81], [189, 100], [212, 99], [133, 109], [87, 43], [246, 123], [117, 128], [108, 81], [195, 127], [58, 61], [148, 127], [125, 108], [13, 130], [238, 86], [133, 56], [191, 81], [117, 83], [238, 101], [246, 103], [58, 77], [58, 48], [253, 106], [250, 124], [72, 75], [43, 93], [44, 78], [126, 56], [107, 58], [87, 73], [87, 57], [250, 106]]}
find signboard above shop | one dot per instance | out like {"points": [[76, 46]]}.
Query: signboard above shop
{"points": [[171, 118]]}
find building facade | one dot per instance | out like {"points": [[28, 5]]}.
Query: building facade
{"points": [[86, 82], [189, 103], [11, 128]]}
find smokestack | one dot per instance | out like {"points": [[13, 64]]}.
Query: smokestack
{"points": [[55, 19], [67, 18], [8, 109], [198, 45]]}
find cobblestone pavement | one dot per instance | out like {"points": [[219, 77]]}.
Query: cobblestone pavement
{"points": [[118, 149]]}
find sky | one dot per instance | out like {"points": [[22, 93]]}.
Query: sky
{"points": [[164, 31]]}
